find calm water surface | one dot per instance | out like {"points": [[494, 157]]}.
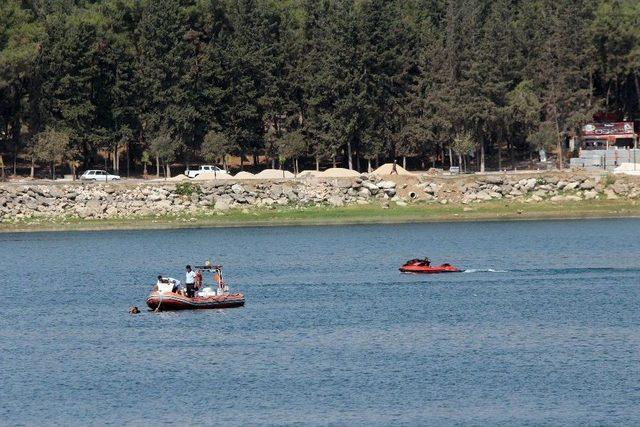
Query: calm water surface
{"points": [[543, 328]]}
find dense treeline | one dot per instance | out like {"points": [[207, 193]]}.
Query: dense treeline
{"points": [[352, 82]]}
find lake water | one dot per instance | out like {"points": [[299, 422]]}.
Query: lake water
{"points": [[543, 328]]}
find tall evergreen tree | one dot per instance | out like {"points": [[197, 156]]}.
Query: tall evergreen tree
{"points": [[20, 35]]}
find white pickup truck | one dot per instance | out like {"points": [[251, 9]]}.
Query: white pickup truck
{"points": [[192, 173]]}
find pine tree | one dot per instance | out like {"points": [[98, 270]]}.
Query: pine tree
{"points": [[20, 35], [71, 83], [559, 71], [160, 69]]}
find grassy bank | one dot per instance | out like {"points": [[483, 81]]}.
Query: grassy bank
{"points": [[360, 214]]}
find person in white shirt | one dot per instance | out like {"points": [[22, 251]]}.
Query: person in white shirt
{"points": [[168, 284], [190, 281]]}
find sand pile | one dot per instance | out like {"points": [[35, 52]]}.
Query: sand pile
{"points": [[340, 173], [209, 176], [274, 174], [244, 175], [309, 173], [388, 167], [181, 177]]}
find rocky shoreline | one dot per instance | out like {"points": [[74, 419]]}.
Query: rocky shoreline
{"points": [[22, 202]]}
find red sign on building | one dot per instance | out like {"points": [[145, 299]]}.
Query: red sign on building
{"points": [[616, 129]]}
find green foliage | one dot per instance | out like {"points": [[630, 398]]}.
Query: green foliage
{"points": [[291, 145], [215, 146], [463, 143], [52, 146], [187, 189], [544, 137], [164, 146], [330, 79], [608, 179], [145, 159]]}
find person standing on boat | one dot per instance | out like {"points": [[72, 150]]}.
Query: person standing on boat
{"points": [[190, 282]]}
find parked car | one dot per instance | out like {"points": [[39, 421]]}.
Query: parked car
{"points": [[192, 173], [98, 175]]}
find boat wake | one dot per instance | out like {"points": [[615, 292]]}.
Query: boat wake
{"points": [[483, 270]]}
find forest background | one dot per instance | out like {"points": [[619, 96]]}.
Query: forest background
{"points": [[478, 83]]}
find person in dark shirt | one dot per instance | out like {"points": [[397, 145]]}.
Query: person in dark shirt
{"points": [[394, 168]]}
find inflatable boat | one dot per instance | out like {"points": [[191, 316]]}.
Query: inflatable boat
{"points": [[168, 293], [424, 267], [166, 301]]}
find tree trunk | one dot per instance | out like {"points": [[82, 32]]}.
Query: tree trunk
{"points": [[157, 167], [317, 164], [460, 161], [560, 162], [499, 157], [53, 170], [482, 157], [358, 163], [241, 161], [32, 173], [560, 165], [296, 168], [369, 170], [15, 161], [168, 168], [590, 87], [333, 159], [116, 167], [144, 170], [128, 158], [349, 155], [636, 79], [450, 159], [404, 162], [512, 157], [273, 163]]}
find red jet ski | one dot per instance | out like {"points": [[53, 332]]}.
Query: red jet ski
{"points": [[424, 266]]}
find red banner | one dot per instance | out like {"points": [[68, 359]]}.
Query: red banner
{"points": [[603, 129]]}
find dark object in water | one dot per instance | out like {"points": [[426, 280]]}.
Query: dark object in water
{"points": [[134, 310]]}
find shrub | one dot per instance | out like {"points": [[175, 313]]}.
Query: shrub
{"points": [[608, 179], [187, 189]]}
